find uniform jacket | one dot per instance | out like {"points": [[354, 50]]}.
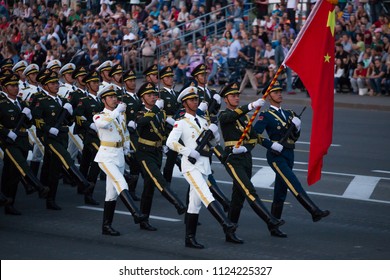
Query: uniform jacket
{"points": [[276, 127], [206, 94], [151, 124], [171, 106], [111, 128], [88, 107], [187, 130]]}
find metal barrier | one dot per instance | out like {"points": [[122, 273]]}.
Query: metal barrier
{"points": [[208, 30]]}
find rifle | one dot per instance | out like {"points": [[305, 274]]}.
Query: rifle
{"points": [[202, 141], [288, 132]]}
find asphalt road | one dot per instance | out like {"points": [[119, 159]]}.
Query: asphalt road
{"points": [[355, 187]]}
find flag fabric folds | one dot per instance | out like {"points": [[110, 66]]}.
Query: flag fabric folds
{"points": [[312, 58]]}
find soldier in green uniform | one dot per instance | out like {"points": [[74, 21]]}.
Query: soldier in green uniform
{"points": [[151, 74], [171, 108], [89, 106], [133, 105], [280, 156], [152, 135], [116, 74], [15, 119], [233, 121], [5, 64], [205, 94], [52, 116]]}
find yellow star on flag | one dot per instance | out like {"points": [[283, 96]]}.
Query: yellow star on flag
{"points": [[327, 58], [331, 21]]}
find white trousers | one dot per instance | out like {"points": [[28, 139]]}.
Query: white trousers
{"points": [[115, 182], [199, 191]]}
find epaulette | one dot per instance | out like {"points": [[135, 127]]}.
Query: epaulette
{"points": [[84, 97], [203, 117]]}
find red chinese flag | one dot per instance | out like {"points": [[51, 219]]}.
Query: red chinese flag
{"points": [[312, 58]]}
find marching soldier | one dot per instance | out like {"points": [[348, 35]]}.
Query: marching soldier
{"points": [[67, 85], [133, 105], [171, 107], [152, 135], [116, 74], [54, 65], [205, 94], [88, 107], [18, 70], [238, 164], [5, 64], [30, 72], [196, 165], [280, 156], [15, 119], [151, 74], [52, 116], [104, 71], [114, 145]]}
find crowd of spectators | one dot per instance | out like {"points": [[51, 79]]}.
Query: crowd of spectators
{"points": [[130, 33]]}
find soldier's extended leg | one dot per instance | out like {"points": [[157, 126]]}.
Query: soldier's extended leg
{"points": [[9, 183], [191, 225], [169, 165], [217, 193], [135, 170], [108, 216], [90, 169]]}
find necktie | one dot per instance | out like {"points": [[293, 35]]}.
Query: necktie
{"points": [[197, 122], [282, 114], [17, 104], [58, 100]]}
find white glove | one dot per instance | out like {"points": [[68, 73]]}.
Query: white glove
{"points": [[258, 103], [121, 107], [217, 137], [53, 131], [126, 148], [132, 124], [214, 128], [194, 154], [239, 150], [160, 103], [170, 120], [165, 149], [27, 112], [203, 106], [217, 98], [69, 108], [12, 135], [93, 126], [297, 123], [277, 147]]}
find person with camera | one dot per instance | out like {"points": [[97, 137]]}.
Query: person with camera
{"points": [[247, 57]]}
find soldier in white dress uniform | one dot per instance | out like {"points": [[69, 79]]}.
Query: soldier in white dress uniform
{"points": [[114, 145], [66, 85], [104, 71], [188, 129]]}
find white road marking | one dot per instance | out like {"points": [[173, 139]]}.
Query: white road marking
{"points": [[361, 187], [128, 214], [308, 143], [381, 171], [265, 177]]}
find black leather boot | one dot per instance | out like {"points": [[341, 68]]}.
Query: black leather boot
{"points": [[130, 205], [34, 166], [173, 199], [132, 181], [217, 212], [11, 210], [36, 184], [27, 186], [264, 214], [52, 205], [108, 216], [191, 225], [83, 186], [234, 215], [88, 199], [276, 211], [316, 213], [220, 196], [4, 200], [145, 225]]}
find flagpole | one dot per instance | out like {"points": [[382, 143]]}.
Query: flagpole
{"points": [[245, 132]]}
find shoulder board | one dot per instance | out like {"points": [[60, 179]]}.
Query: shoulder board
{"points": [[202, 116], [84, 97]]}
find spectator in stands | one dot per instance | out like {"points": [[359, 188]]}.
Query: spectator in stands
{"points": [[358, 80], [338, 74], [182, 66], [280, 53], [148, 48], [376, 77]]}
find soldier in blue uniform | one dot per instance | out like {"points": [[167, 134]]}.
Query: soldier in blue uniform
{"points": [[238, 164], [280, 156], [15, 144], [152, 135], [87, 107]]}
